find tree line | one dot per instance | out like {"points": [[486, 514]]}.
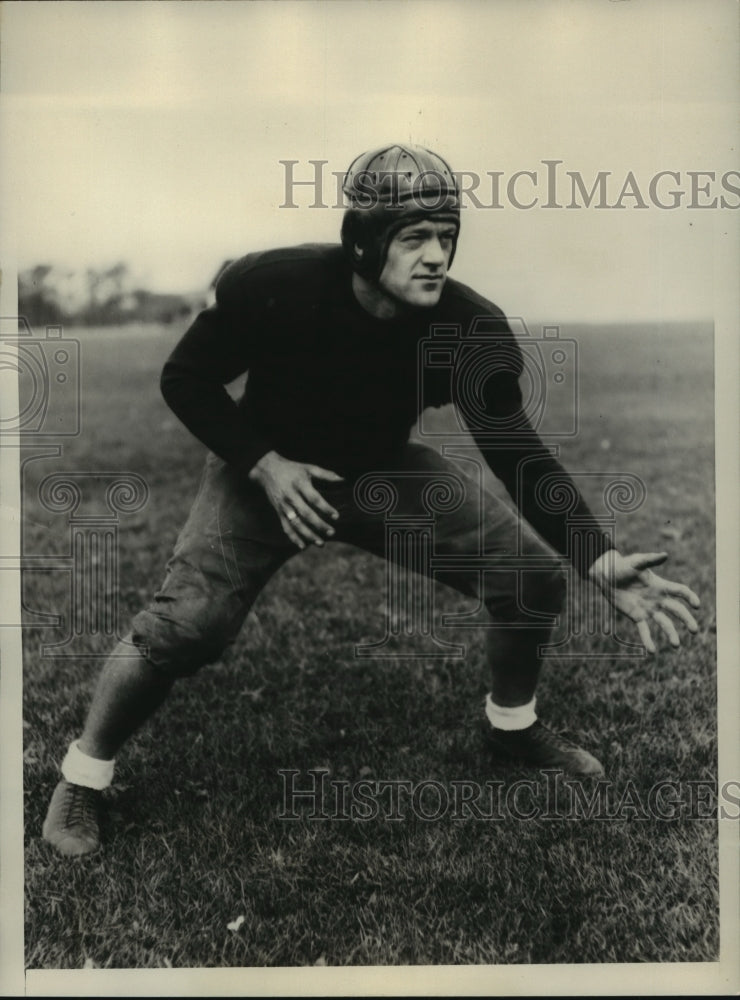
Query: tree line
{"points": [[108, 296]]}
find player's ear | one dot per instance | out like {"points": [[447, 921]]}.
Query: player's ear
{"points": [[358, 250]]}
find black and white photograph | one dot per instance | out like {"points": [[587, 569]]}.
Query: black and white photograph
{"points": [[368, 495]]}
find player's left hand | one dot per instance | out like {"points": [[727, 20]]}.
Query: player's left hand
{"points": [[629, 584]]}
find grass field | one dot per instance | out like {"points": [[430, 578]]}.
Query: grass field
{"points": [[194, 837]]}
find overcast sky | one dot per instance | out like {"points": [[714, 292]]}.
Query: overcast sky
{"points": [[152, 133]]}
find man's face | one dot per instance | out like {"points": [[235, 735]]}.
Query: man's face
{"points": [[416, 264]]}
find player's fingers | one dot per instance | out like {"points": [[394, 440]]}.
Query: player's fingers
{"points": [[669, 629], [645, 638], [681, 590], [309, 520], [319, 473], [677, 609], [287, 526], [313, 497], [304, 522], [644, 560], [307, 533]]}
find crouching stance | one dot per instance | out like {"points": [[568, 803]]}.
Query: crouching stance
{"points": [[330, 338]]}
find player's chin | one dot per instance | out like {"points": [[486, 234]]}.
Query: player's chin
{"points": [[425, 294]]}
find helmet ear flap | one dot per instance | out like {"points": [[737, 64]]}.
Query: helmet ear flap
{"points": [[359, 242], [349, 235]]}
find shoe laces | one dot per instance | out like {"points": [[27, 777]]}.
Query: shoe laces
{"points": [[543, 734], [80, 806]]}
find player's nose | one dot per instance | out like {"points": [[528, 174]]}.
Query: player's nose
{"points": [[434, 255]]}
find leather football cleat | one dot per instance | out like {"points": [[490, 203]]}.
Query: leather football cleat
{"points": [[71, 823], [539, 746]]}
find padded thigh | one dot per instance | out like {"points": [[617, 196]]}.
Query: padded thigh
{"points": [[233, 542], [497, 557], [229, 547], [192, 619]]}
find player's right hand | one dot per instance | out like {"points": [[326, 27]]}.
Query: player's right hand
{"points": [[304, 514]]}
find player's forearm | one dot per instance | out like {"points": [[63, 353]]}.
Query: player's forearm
{"points": [[211, 415], [213, 352], [537, 483]]}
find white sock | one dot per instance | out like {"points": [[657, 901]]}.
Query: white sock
{"points": [[80, 769], [519, 717]]}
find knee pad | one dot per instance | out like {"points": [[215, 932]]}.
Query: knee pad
{"points": [[177, 649]]}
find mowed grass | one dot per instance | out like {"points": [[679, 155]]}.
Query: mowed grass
{"points": [[194, 834]]}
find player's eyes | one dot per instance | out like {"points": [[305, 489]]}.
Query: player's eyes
{"points": [[421, 237]]}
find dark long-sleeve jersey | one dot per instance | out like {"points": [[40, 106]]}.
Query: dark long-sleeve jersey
{"points": [[330, 384]]}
